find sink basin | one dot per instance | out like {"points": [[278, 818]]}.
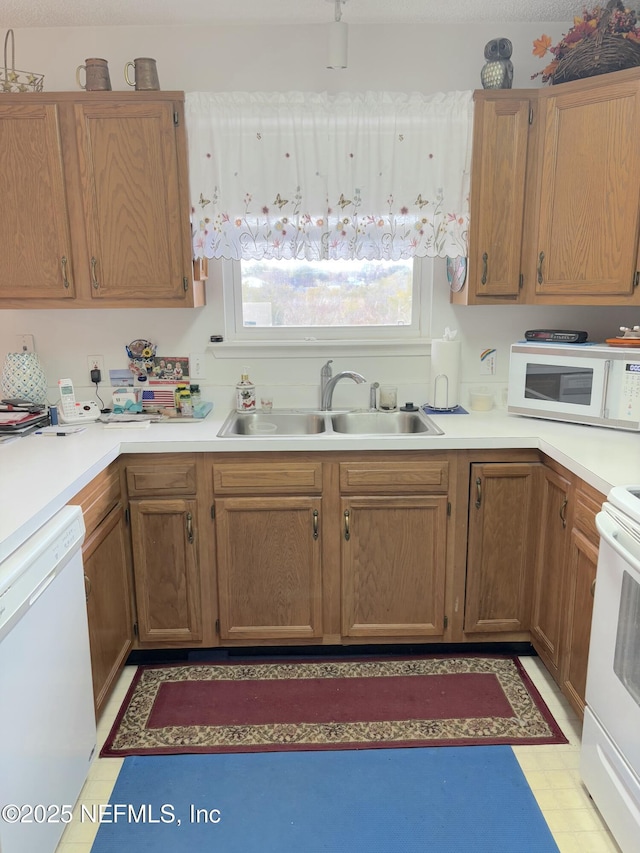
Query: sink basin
{"points": [[281, 422], [384, 423], [263, 424]]}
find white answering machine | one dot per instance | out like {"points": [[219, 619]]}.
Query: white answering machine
{"points": [[72, 412]]}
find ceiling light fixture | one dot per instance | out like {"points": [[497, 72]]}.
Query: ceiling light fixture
{"points": [[338, 38]]}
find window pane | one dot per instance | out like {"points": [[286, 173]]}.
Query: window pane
{"points": [[327, 293]]}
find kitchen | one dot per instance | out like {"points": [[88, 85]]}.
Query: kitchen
{"points": [[205, 58]]}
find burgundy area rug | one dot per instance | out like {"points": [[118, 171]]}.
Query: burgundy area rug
{"points": [[330, 704]]}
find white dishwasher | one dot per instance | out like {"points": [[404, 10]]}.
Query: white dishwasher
{"points": [[47, 721]]}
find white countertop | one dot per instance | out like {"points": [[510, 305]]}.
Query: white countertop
{"points": [[39, 475]]}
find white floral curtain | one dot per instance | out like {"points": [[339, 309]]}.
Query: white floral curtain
{"points": [[376, 175]]}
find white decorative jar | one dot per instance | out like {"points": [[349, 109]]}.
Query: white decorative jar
{"points": [[23, 378]]}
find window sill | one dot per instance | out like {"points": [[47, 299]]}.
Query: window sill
{"points": [[317, 348]]}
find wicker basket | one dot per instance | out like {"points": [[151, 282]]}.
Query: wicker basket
{"points": [[17, 81], [602, 53]]}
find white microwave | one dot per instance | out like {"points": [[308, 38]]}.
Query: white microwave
{"points": [[580, 383]]}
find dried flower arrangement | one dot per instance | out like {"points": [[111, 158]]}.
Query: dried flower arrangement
{"points": [[605, 38]]}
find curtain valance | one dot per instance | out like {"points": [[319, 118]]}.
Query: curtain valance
{"points": [[375, 175]]}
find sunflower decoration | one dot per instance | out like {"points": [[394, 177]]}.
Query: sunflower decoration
{"points": [[614, 19], [141, 354]]}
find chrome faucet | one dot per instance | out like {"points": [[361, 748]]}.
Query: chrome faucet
{"points": [[327, 394], [325, 376]]}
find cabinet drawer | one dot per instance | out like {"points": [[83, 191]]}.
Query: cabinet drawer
{"points": [[162, 478], [587, 507], [268, 477], [99, 497], [394, 476]]}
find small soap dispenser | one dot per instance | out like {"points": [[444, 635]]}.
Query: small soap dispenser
{"points": [[245, 393]]}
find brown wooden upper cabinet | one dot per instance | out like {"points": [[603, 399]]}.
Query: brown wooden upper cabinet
{"points": [[501, 138], [95, 201], [555, 188], [589, 194]]}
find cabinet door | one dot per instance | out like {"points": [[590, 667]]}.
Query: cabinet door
{"points": [[393, 566], [106, 568], [548, 613], [166, 572], [501, 132], [589, 188], [131, 193], [269, 567], [583, 562], [35, 259], [503, 526]]}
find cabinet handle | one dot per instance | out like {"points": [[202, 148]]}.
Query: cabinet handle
{"points": [[540, 260], [485, 258], [478, 492], [315, 524], [87, 587], [65, 278], [94, 280], [190, 528], [347, 534], [563, 512], [593, 587]]}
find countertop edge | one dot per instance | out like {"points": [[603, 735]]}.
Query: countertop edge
{"points": [[587, 452]]}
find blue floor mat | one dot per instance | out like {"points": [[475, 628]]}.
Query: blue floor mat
{"points": [[435, 800]]}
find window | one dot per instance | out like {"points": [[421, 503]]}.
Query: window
{"points": [[288, 300]]}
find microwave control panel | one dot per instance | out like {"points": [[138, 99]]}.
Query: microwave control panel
{"points": [[623, 396], [630, 403]]}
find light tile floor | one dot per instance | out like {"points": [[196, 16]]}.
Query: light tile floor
{"points": [[552, 772], [554, 777]]}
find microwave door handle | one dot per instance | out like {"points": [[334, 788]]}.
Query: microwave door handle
{"points": [[604, 409]]}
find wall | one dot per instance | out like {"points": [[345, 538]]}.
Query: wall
{"points": [[393, 58]]}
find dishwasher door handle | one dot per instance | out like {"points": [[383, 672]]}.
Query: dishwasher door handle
{"points": [[35, 595]]}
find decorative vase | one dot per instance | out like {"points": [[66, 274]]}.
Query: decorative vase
{"points": [[23, 378]]}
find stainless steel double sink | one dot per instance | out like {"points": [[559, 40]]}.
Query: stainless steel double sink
{"points": [[295, 422]]}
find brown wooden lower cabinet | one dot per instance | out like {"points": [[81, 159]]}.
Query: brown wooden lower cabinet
{"points": [[269, 567], [548, 616], [503, 526], [353, 548], [106, 568], [394, 565], [582, 564], [166, 571], [106, 554], [583, 561], [565, 580]]}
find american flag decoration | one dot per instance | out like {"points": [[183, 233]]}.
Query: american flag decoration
{"points": [[160, 398]]}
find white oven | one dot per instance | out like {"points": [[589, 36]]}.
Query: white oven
{"points": [[610, 756]]}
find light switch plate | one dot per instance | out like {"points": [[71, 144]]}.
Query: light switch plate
{"points": [[196, 365]]}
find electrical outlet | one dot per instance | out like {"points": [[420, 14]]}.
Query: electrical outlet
{"points": [[25, 343], [95, 362], [196, 365]]}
